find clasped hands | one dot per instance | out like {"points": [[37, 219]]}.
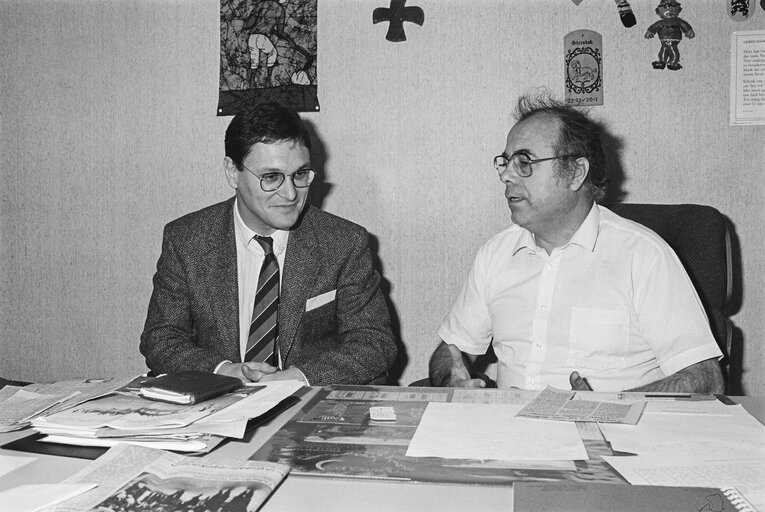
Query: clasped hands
{"points": [[259, 372]]}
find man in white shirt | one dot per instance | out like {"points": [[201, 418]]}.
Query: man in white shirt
{"points": [[572, 294]]}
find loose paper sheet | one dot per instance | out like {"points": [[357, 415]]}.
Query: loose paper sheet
{"points": [[8, 464], [724, 432], [491, 431], [34, 497]]}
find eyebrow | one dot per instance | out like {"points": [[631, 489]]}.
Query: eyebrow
{"points": [[524, 152], [303, 167]]}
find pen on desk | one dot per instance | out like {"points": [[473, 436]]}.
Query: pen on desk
{"points": [[622, 396]]}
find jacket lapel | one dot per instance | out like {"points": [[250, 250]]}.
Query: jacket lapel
{"points": [[301, 266]]}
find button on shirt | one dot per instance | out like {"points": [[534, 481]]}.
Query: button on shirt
{"points": [[614, 304], [249, 259]]}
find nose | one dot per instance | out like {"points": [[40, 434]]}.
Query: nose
{"points": [[509, 176], [288, 190]]}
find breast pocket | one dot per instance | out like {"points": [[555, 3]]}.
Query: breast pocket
{"points": [[320, 321], [598, 338]]}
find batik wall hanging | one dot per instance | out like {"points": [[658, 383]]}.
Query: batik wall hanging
{"points": [[267, 53]]}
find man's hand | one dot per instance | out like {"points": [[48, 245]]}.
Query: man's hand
{"points": [[578, 382], [291, 373], [447, 368], [247, 372], [460, 375]]}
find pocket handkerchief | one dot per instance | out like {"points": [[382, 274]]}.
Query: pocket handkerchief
{"points": [[319, 300]]}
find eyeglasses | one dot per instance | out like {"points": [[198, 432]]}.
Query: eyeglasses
{"points": [[271, 181], [521, 163]]}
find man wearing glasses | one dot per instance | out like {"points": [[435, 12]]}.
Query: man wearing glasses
{"points": [[572, 294], [261, 286]]}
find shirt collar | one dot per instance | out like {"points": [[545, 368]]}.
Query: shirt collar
{"points": [[585, 236], [245, 235]]}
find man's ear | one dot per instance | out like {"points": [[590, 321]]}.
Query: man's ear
{"points": [[232, 173], [581, 168]]}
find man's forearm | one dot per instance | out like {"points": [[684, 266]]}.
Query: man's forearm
{"points": [[702, 377], [440, 367]]}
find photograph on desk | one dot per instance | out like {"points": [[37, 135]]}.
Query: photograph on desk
{"points": [[334, 435]]}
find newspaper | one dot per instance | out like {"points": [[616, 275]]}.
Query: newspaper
{"points": [[131, 412], [137, 478], [20, 405], [557, 404]]}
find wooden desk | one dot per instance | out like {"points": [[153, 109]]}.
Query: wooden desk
{"points": [[298, 493]]}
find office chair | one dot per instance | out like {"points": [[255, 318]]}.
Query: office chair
{"points": [[700, 237]]}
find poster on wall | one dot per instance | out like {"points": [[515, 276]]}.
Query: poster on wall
{"points": [[747, 78], [267, 53]]}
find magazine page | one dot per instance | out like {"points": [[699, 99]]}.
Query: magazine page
{"points": [[137, 478]]}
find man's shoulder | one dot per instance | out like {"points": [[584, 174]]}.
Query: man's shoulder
{"points": [[202, 225], [508, 237], [204, 216], [626, 233], [329, 224]]}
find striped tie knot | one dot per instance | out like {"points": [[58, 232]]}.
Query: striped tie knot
{"points": [[266, 242]]}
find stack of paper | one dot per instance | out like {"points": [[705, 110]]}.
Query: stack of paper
{"points": [[125, 416], [19, 405], [693, 443]]}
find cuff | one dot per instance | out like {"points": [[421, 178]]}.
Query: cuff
{"points": [[305, 379], [221, 364]]}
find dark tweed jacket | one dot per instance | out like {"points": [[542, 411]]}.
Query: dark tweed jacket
{"points": [[193, 323]]}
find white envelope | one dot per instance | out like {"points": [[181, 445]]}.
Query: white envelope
{"points": [[320, 300]]}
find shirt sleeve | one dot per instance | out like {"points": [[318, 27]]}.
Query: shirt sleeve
{"points": [[670, 313], [468, 323]]}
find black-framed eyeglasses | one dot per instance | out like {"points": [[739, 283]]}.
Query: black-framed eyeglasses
{"points": [[521, 163], [271, 181]]}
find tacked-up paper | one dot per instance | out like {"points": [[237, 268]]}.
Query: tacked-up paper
{"points": [[492, 432], [747, 78]]}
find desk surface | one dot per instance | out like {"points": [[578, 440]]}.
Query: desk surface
{"points": [[315, 493]]}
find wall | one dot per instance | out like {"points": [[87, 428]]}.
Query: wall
{"points": [[108, 131]]}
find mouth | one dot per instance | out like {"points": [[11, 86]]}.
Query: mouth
{"points": [[514, 199]]}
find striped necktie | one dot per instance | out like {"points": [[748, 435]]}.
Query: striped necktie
{"points": [[261, 343]]}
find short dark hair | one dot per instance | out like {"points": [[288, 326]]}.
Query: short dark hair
{"points": [[579, 135], [264, 122]]}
